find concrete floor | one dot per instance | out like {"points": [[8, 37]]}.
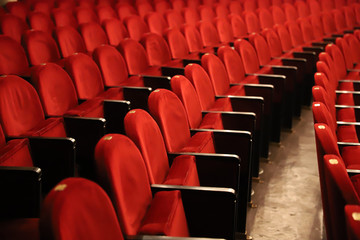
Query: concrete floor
{"points": [[289, 200]]}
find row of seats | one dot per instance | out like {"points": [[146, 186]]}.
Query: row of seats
{"points": [[209, 92], [335, 117]]}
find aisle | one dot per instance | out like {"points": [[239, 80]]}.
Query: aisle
{"points": [[289, 200]]}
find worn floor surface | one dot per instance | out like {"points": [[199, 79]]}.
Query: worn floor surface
{"points": [[289, 201]]}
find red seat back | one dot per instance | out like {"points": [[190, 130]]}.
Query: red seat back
{"points": [[93, 35], [69, 213], [69, 40]]}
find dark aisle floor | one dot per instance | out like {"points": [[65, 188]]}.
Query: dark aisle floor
{"points": [[289, 200]]}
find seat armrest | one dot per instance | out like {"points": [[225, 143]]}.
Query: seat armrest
{"points": [[266, 91], [215, 170], [314, 49], [156, 82], [189, 61], [157, 237], [137, 96], [353, 172], [248, 104], [243, 121], [114, 113], [320, 44], [337, 35], [329, 39], [172, 71], [21, 194], [277, 81], [210, 212], [56, 158]]}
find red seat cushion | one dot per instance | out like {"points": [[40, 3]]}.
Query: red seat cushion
{"points": [[201, 142], [16, 153], [51, 127], [165, 216], [212, 121], [183, 171]]}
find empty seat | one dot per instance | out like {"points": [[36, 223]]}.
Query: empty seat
{"points": [[41, 48], [85, 15], [68, 212], [156, 23], [12, 26], [116, 155], [135, 26], [64, 17], [178, 46], [173, 18], [352, 221], [93, 35], [41, 21], [105, 12], [69, 41], [238, 25], [115, 31], [19, 9], [191, 16], [124, 10], [13, 58]]}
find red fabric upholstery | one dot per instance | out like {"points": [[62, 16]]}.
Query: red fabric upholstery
{"points": [[129, 192], [15, 153], [144, 132], [64, 17], [135, 56], [21, 112], [85, 15], [252, 21], [193, 38], [88, 82], [156, 22], [183, 171], [352, 221], [191, 15], [238, 26], [248, 55], [182, 87], [69, 212], [341, 191], [19, 9], [201, 142], [13, 58], [173, 18], [208, 33], [87, 78], [175, 136], [178, 45], [157, 50], [93, 35], [105, 12], [166, 216], [265, 18], [113, 67], [115, 31], [41, 21], [135, 26], [201, 81], [224, 29], [12, 26], [40, 47], [55, 89], [124, 10], [69, 40]]}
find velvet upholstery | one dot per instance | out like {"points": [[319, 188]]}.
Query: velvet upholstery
{"points": [[64, 17], [224, 29], [15, 152], [352, 221], [113, 67], [156, 22], [105, 12], [174, 124], [41, 21], [87, 78], [135, 26], [40, 47], [238, 26], [85, 15], [145, 133], [115, 31], [69, 40], [93, 35], [136, 58], [13, 58], [12, 26], [158, 51], [69, 213], [21, 112], [178, 46], [131, 194]]}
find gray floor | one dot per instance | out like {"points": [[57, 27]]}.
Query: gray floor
{"points": [[289, 201]]}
